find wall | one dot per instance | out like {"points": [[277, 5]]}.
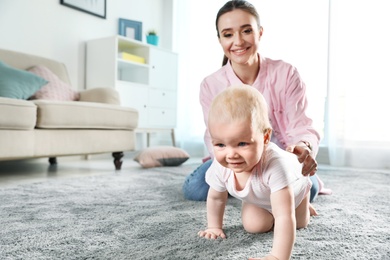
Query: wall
{"points": [[49, 29]]}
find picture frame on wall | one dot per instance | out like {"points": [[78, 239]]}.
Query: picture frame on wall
{"points": [[94, 7], [130, 29]]}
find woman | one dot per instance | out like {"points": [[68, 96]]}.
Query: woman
{"points": [[239, 33]]}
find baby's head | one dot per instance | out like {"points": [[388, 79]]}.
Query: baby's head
{"points": [[241, 104], [239, 127]]}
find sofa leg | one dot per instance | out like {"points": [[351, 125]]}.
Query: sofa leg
{"points": [[117, 160], [52, 160]]}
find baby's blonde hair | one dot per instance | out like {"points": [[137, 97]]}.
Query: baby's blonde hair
{"points": [[240, 103]]}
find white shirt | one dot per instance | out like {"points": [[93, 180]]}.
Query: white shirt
{"points": [[277, 171]]}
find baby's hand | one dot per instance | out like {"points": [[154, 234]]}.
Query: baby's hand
{"points": [[212, 233]]}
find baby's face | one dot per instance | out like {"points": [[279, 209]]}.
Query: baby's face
{"points": [[236, 145]]}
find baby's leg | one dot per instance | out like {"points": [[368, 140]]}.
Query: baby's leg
{"points": [[302, 213], [256, 219]]}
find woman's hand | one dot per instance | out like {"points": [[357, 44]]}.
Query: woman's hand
{"points": [[212, 233], [305, 156]]}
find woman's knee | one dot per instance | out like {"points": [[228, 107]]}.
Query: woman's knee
{"points": [[195, 186], [315, 188]]}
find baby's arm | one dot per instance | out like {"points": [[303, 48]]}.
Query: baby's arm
{"points": [[282, 203], [216, 202]]}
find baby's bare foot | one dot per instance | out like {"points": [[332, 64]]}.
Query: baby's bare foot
{"points": [[313, 211]]}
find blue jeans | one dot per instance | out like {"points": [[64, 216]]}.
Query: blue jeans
{"points": [[196, 188]]}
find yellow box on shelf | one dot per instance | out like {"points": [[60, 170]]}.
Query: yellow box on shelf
{"points": [[131, 57]]}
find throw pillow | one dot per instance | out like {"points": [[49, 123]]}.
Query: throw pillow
{"points": [[161, 156], [56, 89], [19, 84]]}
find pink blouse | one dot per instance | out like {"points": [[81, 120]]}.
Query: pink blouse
{"points": [[285, 93]]}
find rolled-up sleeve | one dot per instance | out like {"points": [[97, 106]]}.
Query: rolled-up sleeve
{"points": [[288, 110]]}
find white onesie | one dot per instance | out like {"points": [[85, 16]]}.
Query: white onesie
{"points": [[279, 170]]}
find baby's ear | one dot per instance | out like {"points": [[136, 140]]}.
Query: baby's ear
{"points": [[267, 135]]}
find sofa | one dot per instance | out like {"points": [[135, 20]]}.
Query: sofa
{"points": [[95, 123]]}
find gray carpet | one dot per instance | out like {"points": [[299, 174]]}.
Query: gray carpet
{"points": [[140, 214]]}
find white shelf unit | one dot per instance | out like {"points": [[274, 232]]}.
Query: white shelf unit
{"points": [[151, 88]]}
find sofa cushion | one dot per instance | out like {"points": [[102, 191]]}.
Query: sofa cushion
{"points": [[55, 89], [17, 114], [19, 84], [84, 115]]}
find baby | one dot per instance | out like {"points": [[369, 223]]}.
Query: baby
{"points": [[268, 180]]}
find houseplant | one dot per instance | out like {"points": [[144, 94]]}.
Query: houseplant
{"points": [[152, 37]]}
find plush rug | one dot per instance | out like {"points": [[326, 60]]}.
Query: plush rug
{"points": [[141, 214]]}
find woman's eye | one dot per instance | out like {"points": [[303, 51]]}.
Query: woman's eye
{"points": [[248, 31], [227, 35], [242, 144]]}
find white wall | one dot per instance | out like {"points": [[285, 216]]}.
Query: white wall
{"points": [[49, 29]]}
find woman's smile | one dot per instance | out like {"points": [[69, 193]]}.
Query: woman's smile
{"points": [[240, 51]]}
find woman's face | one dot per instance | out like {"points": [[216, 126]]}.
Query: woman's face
{"points": [[239, 36]]}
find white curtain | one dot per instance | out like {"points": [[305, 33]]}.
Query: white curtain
{"points": [[199, 55], [359, 83]]}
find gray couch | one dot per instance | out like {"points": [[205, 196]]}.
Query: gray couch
{"points": [[47, 128]]}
